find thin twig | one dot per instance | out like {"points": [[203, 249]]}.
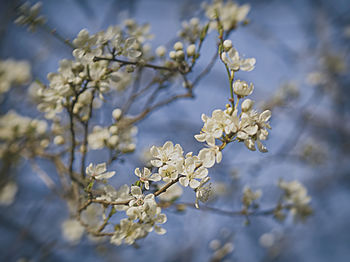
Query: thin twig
{"points": [[124, 62]]}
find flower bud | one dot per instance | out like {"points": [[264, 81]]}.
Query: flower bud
{"points": [[113, 140], [116, 114], [130, 68], [82, 75], [160, 51], [44, 143], [58, 140], [76, 108], [194, 21], [178, 46], [227, 45], [180, 55], [113, 129], [247, 105], [129, 148], [191, 50], [181, 207], [172, 55], [214, 244]]}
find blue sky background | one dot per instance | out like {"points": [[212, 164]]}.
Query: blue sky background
{"points": [[288, 39]]}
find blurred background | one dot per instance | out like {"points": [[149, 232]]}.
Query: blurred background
{"points": [[302, 52]]}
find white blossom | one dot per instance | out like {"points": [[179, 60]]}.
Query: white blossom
{"points": [[178, 46], [172, 55], [295, 194], [249, 196], [13, 126], [99, 171], [8, 193], [247, 105], [127, 232], [203, 193], [230, 13], [120, 195], [161, 51], [72, 230], [139, 202], [117, 113], [170, 172], [12, 73], [167, 154], [29, 15], [140, 32], [58, 140], [249, 127], [267, 240], [99, 137], [253, 128], [210, 155], [191, 30], [192, 173], [147, 176], [234, 62], [215, 126], [191, 50], [227, 44], [241, 88], [113, 137]]}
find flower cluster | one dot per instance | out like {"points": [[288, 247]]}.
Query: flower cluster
{"points": [[143, 213], [29, 16], [140, 32], [85, 75], [172, 165], [230, 13], [13, 72], [249, 196], [313, 152], [248, 126], [72, 230], [117, 136], [296, 198], [220, 250], [88, 46], [191, 30], [107, 62], [180, 56], [14, 127]]}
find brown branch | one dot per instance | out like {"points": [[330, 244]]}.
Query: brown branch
{"points": [[124, 62], [105, 202], [137, 94], [105, 221], [164, 188], [58, 36]]}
